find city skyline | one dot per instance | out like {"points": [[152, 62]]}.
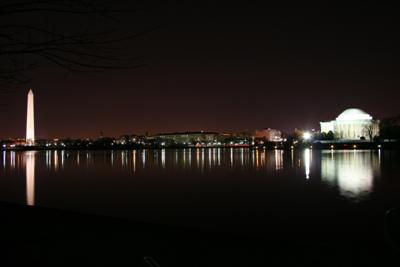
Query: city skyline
{"points": [[30, 126]]}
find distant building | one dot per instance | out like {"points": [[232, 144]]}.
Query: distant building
{"points": [[352, 124], [129, 139], [189, 137], [270, 135]]}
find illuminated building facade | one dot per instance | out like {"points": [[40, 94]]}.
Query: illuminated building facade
{"points": [[270, 135], [352, 124], [30, 120]]}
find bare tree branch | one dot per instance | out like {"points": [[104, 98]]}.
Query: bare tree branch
{"points": [[25, 45]]}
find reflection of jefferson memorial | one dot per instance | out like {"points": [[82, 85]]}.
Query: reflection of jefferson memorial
{"points": [[351, 172], [352, 124]]}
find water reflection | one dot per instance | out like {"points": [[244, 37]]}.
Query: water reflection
{"points": [[30, 177], [48, 159], [12, 155], [144, 158], [307, 162], [352, 172], [134, 160], [55, 160], [163, 158], [62, 158], [379, 156], [278, 159], [292, 157], [231, 156], [242, 156], [123, 158], [4, 160]]}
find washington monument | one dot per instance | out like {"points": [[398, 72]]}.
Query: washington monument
{"points": [[30, 120]]}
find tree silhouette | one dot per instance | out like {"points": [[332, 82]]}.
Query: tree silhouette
{"points": [[368, 130], [77, 35]]}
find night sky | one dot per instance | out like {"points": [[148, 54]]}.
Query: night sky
{"points": [[223, 68]]}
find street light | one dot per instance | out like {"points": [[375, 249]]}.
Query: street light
{"points": [[307, 136]]}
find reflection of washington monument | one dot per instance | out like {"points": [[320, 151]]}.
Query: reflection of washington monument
{"points": [[30, 177], [30, 120]]}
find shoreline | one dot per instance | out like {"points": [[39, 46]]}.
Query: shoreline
{"points": [[275, 146]]}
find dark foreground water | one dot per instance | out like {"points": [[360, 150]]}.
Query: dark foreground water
{"points": [[302, 207]]}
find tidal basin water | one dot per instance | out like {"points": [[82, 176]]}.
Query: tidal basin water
{"points": [[226, 188]]}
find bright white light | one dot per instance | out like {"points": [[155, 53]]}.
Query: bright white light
{"points": [[307, 136]]}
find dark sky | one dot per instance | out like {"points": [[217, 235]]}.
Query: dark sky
{"points": [[223, 68]]}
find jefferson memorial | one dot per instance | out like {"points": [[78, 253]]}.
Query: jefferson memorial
{"points": [[352, 124]]}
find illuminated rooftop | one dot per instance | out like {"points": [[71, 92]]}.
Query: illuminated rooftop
{"points": [[352, 114]]}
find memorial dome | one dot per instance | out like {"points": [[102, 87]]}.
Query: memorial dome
{"points": [[353, 114]]}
